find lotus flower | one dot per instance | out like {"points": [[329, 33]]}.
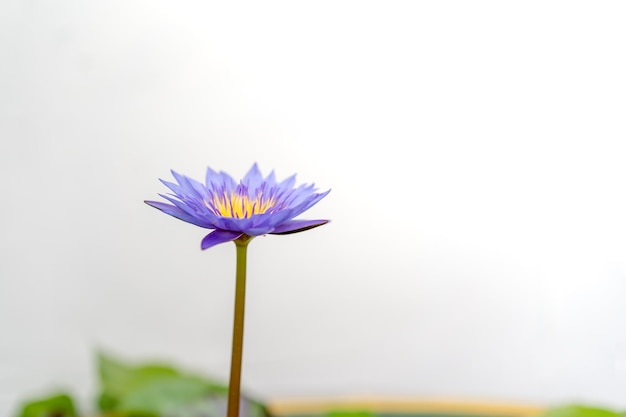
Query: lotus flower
{"points": [[255, 206]]}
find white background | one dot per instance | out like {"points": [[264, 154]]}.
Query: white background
{"points": [[475, 155]]}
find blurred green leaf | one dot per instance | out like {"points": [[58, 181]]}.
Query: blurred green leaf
{"points": [[165, 394], [118, 379], [158, 390], [580, 411], [60, 405]]}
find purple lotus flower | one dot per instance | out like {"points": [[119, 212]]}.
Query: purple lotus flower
{"points": [[255, 206]]}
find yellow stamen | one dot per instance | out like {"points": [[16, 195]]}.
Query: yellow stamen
{"points": [[240, 206]]}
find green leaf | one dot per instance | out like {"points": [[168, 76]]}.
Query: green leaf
{"points": [[60, 405], [580, 411], [158, 390], [118, 379], [164, 395]]}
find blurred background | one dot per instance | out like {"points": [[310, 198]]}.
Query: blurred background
{"points": [[475, 152]]}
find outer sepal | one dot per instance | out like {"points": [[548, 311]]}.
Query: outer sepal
{"points": [[218, 236], [297, 226]]}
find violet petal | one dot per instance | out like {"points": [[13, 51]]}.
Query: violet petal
{"points": [[218, 236], [180, 214], [295, 226]]}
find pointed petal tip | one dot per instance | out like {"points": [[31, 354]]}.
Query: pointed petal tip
{"points": [[297, 226], [254, 170]]}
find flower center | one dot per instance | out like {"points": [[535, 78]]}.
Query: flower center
{"points": [[240, 206]]}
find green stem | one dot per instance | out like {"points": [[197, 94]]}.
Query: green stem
{"points": [[234, 387]]}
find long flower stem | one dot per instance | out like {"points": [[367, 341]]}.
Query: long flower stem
{"points": [[234, 387]]}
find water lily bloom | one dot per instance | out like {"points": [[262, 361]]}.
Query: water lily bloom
{"points": [[255, 206]]}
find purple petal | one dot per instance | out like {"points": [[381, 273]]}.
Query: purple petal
{"points": [[210, 174], [221, 182], [233, 224], [194, 209], [272, 219], [179, 214], [295, 226], [189, 186], [218, 236], [176, 188], [253, 179], [259, 231], [288, 183], [270, 181], [308, 202]]}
